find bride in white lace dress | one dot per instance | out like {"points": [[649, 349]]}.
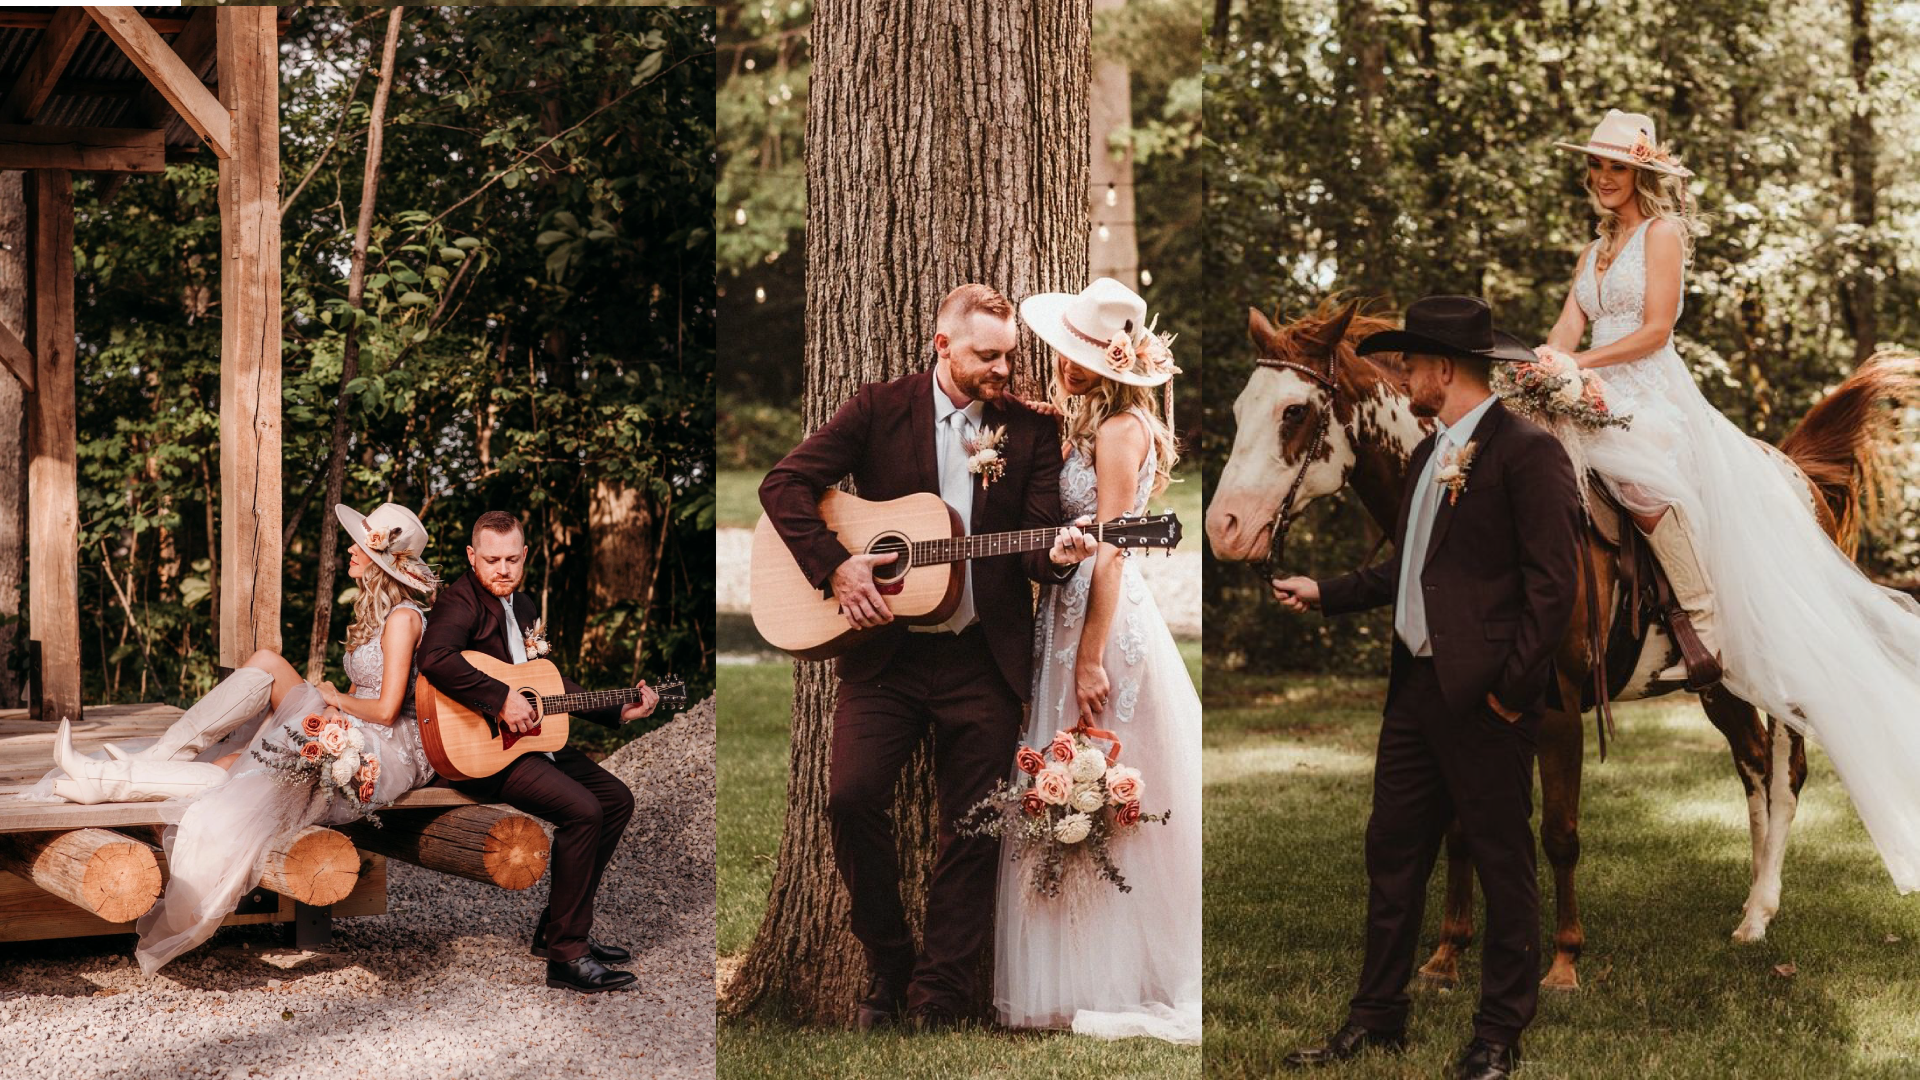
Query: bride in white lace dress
{"points": [[1094, 959], [231, 804], [1800, 631]]}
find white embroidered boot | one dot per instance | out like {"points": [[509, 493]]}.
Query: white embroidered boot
{"points": [[240, 697], [1690, 619], [94, 781]]}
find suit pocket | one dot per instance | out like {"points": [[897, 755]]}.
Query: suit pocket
{"points": [[1500, 629]]}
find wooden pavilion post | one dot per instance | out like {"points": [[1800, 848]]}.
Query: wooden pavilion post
{"points": [[53, 495], [248, 62]]}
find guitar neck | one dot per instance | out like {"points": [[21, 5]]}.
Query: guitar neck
{"points": [[589, 700], [961, 548]]}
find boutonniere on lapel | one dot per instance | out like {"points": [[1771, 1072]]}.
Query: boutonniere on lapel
{"points": [[1454, 466], [983, 455], [536, 640]]}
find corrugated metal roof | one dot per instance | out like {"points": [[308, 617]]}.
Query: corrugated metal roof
{"points": [[97, 59]]}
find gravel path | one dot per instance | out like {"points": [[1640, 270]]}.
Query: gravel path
{"points": [[1175, 580], [440, 986]]}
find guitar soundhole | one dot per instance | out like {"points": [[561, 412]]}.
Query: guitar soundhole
{"points": [[890, 544]]}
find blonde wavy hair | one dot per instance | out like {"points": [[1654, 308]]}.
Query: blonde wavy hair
{"points": [[1083, 415], [381, 592], [1658, 195]]}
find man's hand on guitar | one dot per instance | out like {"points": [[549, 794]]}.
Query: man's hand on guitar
{"points": [[517, 714], [1297, 593], [860, 601], [1070, 545], [644, 707]]}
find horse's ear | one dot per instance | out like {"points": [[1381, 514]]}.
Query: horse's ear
{"points": [[1322, 342], [1262, 332]]}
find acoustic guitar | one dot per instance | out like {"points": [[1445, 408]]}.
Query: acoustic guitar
{"points": [[465, 744], [921, 585]]}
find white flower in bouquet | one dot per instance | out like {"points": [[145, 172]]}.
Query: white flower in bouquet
{"points": [[1123, 785], [355, 740], [1073, 828], [1053, 785], [1087, 798], [1088, 764], [343, 771]]}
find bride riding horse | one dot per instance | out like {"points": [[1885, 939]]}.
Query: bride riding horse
{"points": [[1314, 418]]}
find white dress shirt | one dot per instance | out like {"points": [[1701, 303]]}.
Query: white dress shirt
{"points": [[952, 427], [1410, 607]]}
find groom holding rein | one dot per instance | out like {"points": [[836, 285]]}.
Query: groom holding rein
{"points": [[1482, 583], [967, 678]]}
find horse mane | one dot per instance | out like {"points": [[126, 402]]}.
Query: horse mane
{"points": [[1354, 372]]}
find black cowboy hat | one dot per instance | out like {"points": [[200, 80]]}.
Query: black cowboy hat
{"points": [[1449, 326]]}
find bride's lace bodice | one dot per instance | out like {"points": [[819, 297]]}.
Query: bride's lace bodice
{"points": [[1616, 304], [366, 665], [1079, 487], [400, 744]]}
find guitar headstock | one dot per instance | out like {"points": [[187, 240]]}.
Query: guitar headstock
{"points": [[672, 691], [1160, 530]]}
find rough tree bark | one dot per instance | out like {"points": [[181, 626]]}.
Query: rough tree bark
{"points": [[1863, 293], [946, 143], [621, 534], [349, 364], [13, 434], [1367, 265]]}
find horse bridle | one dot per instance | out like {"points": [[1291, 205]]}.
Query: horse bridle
{"points": [[1283, 519]]}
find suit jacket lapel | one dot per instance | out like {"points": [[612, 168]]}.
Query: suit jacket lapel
{"points": [[1483, 433], [991, 415], [487, 622], [920, 409]]}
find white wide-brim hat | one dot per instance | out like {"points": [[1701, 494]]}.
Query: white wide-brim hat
{"points": [[1087, 328], [1628, 137], [391, 530]]}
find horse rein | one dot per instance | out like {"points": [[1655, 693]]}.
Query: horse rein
{"points": [[1284, 518]]}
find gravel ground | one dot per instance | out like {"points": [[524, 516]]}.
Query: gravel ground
{"points": [[1175, 580], [440, 986]]}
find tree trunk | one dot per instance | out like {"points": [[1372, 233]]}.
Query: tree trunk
{"points": [[1862, 150], [970, 119], [620, 535], [349, 364], [13, 434], [1369, 268]]}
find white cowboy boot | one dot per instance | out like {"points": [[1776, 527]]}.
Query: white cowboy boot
{"points": [[240, 697], [94, 781], [1691, 619]]}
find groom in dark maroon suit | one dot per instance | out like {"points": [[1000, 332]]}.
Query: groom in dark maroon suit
{"points": [[967, 678], [1482, 584], [589, 807]]}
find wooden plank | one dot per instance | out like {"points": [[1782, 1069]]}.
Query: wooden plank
{"points": [[194, 45], [250, 552], [53, 498], [36, 81], [18, 358], [30, 913], [169, 75], [82, 149], [40, 20]]}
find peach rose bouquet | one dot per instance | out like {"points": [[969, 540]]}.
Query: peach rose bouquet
{"points": [[329, 751], [1066, 804]]}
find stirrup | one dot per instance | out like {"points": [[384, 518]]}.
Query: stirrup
{"points": [[1703, 668]]}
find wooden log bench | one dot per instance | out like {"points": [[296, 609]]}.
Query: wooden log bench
{"points": [[68, 870]]}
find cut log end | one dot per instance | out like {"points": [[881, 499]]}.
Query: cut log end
{"points": [[316, 866], [516, 852], [97, 870]]}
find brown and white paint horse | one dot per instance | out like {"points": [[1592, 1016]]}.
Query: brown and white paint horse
{"points": [[1315, 418]]}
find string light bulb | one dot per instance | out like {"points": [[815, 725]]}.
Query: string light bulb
{"points": [[760, 294], [1104, 234], [1113, 197], [740, 215], [1146, 277]]}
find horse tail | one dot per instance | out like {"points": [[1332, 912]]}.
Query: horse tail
{"points": [[1841, 443]]}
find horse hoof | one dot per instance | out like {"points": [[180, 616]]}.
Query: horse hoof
{"points": [[1751, 931], [1434, 981], [1561, 981]]}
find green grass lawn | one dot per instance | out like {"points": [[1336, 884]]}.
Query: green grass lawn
{"points": [[740, 500], [756, 700], [1833, 991]]}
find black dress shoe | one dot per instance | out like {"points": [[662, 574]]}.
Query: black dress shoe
{"points": [[1345, 1043], [586, 975], [885, 1000], [1488, 1060], [606, 954]]}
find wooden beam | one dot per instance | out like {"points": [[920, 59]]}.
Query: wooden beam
{"points": [[53, 495], [101, 872], [250, 549], [40, 20], [315, 866], [170, 75], [77, 149], [36, 81], [16, 355], [485, 843], [194, 45]]}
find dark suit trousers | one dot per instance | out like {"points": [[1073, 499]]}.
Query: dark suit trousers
{"points": [[951, 683], [589, 808], [1435, 764]]}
